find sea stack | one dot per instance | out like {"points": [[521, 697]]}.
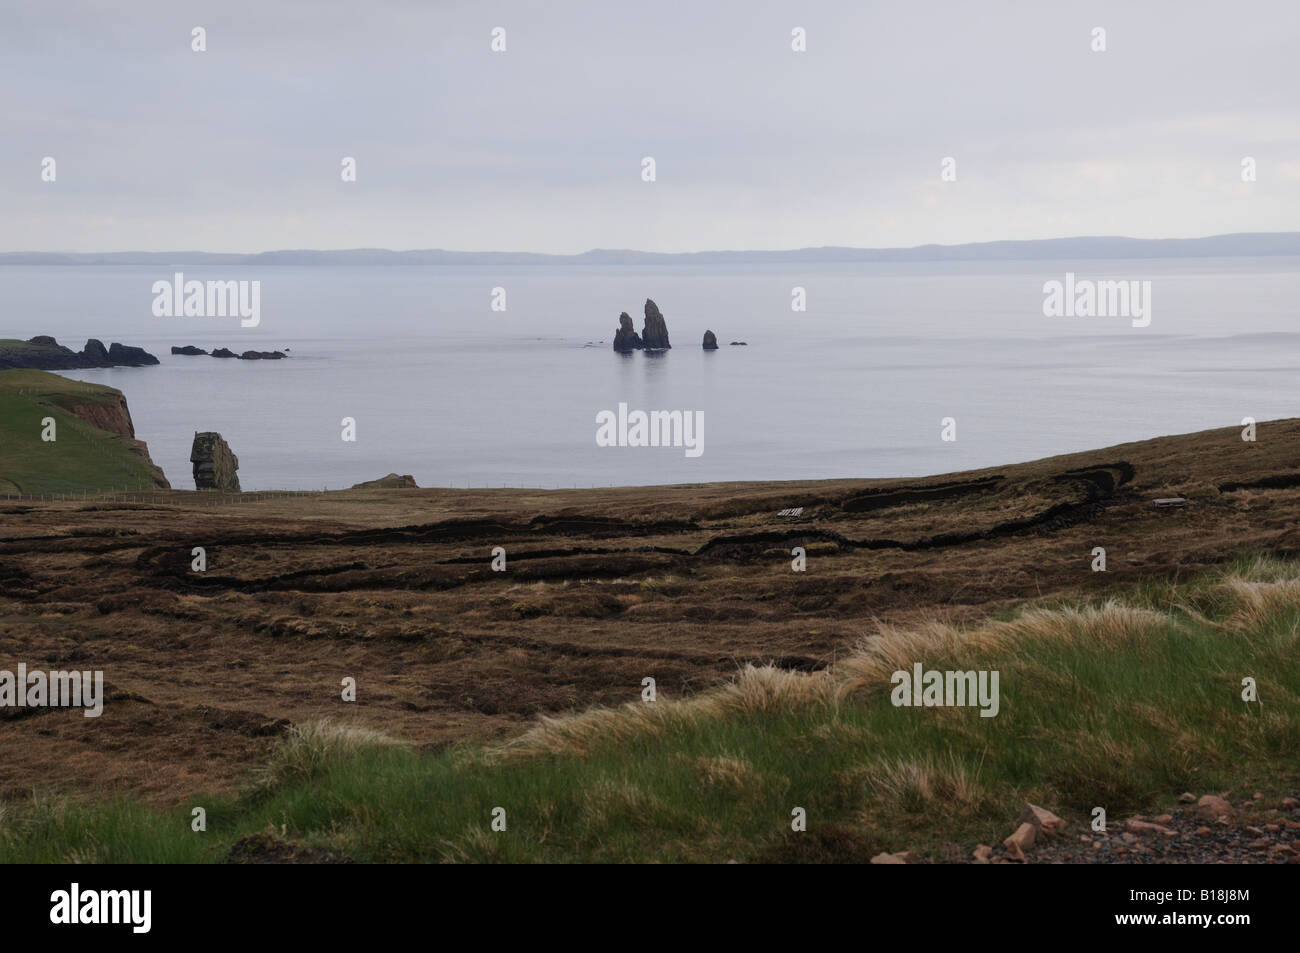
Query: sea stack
{"points": [[125, 355], [214, 463], [710, 341], [95, 353], [626, 340], [655, 333]]}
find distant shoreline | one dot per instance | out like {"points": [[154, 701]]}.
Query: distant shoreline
{"points": [[1238, 245]]}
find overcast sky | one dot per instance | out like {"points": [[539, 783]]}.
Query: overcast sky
{"points": [[540, 147]]}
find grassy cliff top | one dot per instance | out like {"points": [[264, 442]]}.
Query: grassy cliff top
{"points": [[81, 457]]}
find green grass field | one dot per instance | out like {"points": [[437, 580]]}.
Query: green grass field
{"points": [[1122, 704], [83, 458]]}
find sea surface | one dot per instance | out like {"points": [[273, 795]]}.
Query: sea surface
{"points": [[448, 390]]}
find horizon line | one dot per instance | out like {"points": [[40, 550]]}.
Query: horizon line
{"points": [[911, 250]]}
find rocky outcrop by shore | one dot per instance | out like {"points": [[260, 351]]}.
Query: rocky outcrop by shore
{"points": [[111, 414], [93, 351], [122, 355], [390, 482], [214, 463], [44, 353], [710, 341]]}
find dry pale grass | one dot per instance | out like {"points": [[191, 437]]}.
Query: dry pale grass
{"points": [[755, 689], [540, 585], [652, 581], [917, 783], [734, 775], [867, 670], [475, 846], [1252, 605], [608, 799], [307, 749], [894, 649]]}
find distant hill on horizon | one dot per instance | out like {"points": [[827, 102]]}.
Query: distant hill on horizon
{"points": [[1244, 244]]}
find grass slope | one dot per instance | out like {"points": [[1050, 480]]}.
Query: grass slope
{"points": [[1121, 704], [83, 458]]}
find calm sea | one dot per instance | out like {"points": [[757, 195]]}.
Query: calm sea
{"points": [[446, 389]]}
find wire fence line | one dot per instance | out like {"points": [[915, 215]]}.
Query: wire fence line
{"points": [[159, 497]]}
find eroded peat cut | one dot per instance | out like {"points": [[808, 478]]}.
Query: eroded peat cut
{"points": [[463, 615]]}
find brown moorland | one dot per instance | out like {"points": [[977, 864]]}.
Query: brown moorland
{"points": [[602, 587]]}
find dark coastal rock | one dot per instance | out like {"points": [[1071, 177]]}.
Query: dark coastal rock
{"points": [[390, 482], [122, 355], [710, 341], [96, 353], [626, 339], [41, 353], [226, 352], [738, 344], [214, 463], [44, 353], [655, 333]]}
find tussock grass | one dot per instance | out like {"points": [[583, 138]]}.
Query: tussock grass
{"points": [[1122, 703], [924, 782], [1109, 626], [309, 750], [755, 689]]}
